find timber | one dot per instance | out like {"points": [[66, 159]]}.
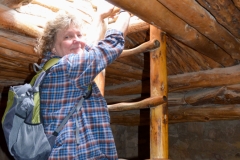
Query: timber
{"points": [[146, 103], [229, 94], [17, 46], [201, 60], [181, 114], [145, 47], [14, 3], [218, 95], [204, 113], [198, 18], [10, 19], [237, 3], [129, 71], [228, 15], [85, 14], [136, 60], [158, 87], [17, 56], [209, 78], [129, 88], [176, 27], [136, 26]]}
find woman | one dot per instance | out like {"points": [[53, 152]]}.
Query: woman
{"points": [[68, 80]]}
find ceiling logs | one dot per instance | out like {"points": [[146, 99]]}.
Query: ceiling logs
{"points": [[199, 18], [175, 27], [12, 20], [14, 3], [226, 13]]}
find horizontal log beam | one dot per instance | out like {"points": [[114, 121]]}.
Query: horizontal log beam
{"points": [[22, 23], [145, 47], [204, 79], [130, 91], [17, 56], [146, 103], [219, 95], [181, 114], [203, 113], [175, 27], [25, 40]]}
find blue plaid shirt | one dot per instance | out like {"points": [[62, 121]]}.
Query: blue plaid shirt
{"points": [[62, 89]]}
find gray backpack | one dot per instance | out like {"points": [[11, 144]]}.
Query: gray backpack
{"points": [[22, 127]]}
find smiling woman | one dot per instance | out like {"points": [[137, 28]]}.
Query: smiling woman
{"points": [[87, 133], [68, 40]]}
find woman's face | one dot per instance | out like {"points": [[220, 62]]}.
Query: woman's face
{"points": [[68, 40]]}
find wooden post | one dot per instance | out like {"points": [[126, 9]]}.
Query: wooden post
{"points": [[158, 86]]}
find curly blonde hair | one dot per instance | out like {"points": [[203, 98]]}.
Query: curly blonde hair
{"points": [[61, 21]]}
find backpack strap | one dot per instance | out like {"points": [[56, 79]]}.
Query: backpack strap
{"points": [[60, 127], [50, 63]]}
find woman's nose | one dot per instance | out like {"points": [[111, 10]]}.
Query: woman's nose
{"points": [[79, 40]]}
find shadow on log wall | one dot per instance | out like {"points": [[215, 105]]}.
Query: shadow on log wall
{"points": [[4, 154]]}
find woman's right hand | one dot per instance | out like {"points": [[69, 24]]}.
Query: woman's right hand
{"points": [[104, 9]]}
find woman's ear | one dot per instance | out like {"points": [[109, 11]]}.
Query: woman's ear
{"points": [[53, 50]]}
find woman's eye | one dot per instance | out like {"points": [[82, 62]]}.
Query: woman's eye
{"points": [[79, 36]]}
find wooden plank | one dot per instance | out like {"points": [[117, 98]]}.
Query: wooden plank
{"points": [[158, 86], [175, 27]]}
